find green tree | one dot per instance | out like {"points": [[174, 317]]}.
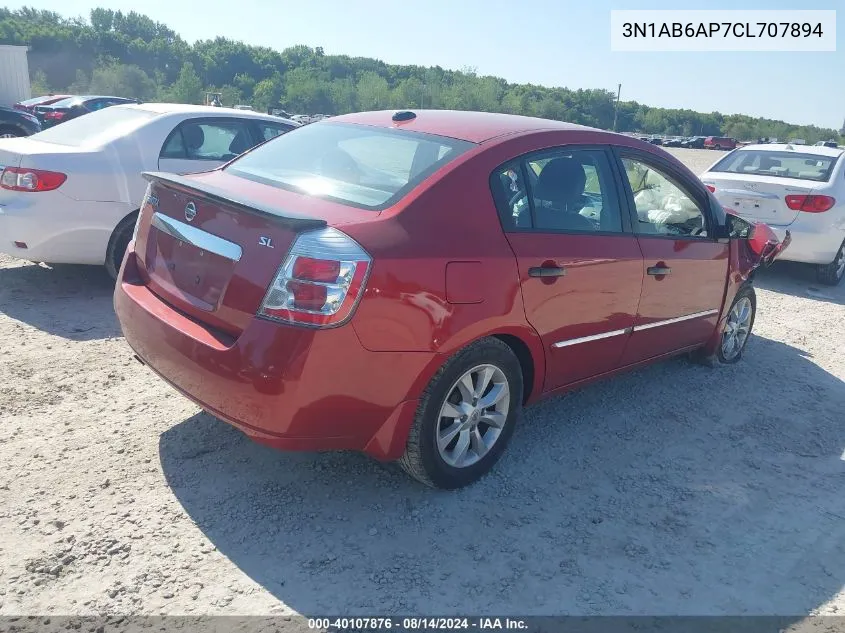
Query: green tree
{"points": [[80, 84], [266, 94], [123, 80], [373, 92], [188, 87], [38, 84]]}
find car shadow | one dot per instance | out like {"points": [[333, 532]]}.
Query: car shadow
{"points": [[798, 280], [74, 302], [673, 490]]}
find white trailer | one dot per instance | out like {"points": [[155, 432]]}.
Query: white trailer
{"points": [[14, 74]]}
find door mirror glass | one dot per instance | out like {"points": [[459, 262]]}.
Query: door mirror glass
{"points": [[737, 228]]}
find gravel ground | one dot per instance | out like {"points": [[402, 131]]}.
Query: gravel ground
{"points": [[671, 490]]}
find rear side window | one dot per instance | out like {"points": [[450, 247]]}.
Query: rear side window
{"points": [[218, 141], [563, 190], [362, 166], [796, 165], [272, 130]]}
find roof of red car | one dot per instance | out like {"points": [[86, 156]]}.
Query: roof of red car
{"points": [[475, 127]]}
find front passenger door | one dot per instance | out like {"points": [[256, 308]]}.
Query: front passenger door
{"points": [[197, 145], [685, 267]]}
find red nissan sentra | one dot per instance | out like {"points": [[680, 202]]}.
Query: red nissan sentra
{"points": [[402, 283]]}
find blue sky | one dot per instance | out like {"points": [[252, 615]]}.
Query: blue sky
{"points": [[548, 42]]}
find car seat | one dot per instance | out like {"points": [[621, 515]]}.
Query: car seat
{"points": [[194, 139], [559, 196]]}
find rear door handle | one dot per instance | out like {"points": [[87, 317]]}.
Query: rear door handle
{"points": [[658, 270], [546, 271]]}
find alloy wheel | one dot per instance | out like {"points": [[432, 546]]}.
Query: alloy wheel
{"points": [[737, 328], [473, 416]]}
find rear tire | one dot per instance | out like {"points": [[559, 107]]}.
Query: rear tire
{"points": [[831, 274], [120, 239], [465, 438], [10, 132]]}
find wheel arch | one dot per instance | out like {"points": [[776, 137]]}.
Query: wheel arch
{"points": [[130, 217]]}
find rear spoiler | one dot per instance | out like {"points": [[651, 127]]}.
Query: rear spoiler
{"points": [[297, 221]]}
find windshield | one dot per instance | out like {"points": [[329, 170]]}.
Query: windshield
{"points": [[781, 164], [97, 128], [363, 166]]}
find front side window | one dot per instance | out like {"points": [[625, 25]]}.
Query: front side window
{"points": [[564, 190], [783, 164], [363, 166], [207, 140], [663, 206]]}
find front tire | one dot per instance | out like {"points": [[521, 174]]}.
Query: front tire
{"points": [[738, 326], [737, 331], [466, 416], [831, 274], [118, 243]]}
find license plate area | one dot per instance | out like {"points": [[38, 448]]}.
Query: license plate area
{"points": [[187, 271]]}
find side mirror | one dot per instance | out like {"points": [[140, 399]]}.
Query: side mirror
{"points": [[737, 227]]}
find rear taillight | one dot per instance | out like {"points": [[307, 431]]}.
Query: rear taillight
{"points": [[23, 179], [810, 203], [54, 116], [320, 282], [710, 188]]}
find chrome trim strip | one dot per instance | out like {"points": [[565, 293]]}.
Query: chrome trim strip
{"points": [[197, 237], [594, 337], [686, 317]]}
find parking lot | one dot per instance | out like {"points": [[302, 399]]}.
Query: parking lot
{"points": [[675, 489]]}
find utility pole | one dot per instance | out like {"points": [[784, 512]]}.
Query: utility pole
{"points": [[616, 107]]}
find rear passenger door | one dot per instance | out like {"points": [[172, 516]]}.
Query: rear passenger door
{"points": [[580, 267], [685, 267], [197, 145]]}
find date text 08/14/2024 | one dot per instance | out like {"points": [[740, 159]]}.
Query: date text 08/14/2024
{"points": [[416, 624]]}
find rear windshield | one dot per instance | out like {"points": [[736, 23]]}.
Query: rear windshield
{"points": [[35, 100], [782, 164], [64, 103], [97, 128], [362, 166]]}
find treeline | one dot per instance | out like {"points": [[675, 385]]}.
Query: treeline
{"points": [[128, 54]]}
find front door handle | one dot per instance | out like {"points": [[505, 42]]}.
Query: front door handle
{"points": [[658, 270], [546, 271]]}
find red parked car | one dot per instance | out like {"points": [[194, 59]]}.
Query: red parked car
{"points": [[401, 284], [29, 104], [719, 142]]}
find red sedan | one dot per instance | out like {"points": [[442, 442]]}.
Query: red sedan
{"points": [[402, 283]]}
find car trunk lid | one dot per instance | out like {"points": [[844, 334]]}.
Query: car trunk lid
{"points": [[213, 245], [761, 198]]}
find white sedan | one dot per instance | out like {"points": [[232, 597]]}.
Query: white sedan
{"points": [[796, 187], [70, 194]]}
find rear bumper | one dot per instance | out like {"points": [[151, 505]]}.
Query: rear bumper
{"points": [[809, 246], [291, 388], [57, 229]]}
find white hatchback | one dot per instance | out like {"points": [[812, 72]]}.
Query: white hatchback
{"points": [[796, 187], [70, 194]]}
